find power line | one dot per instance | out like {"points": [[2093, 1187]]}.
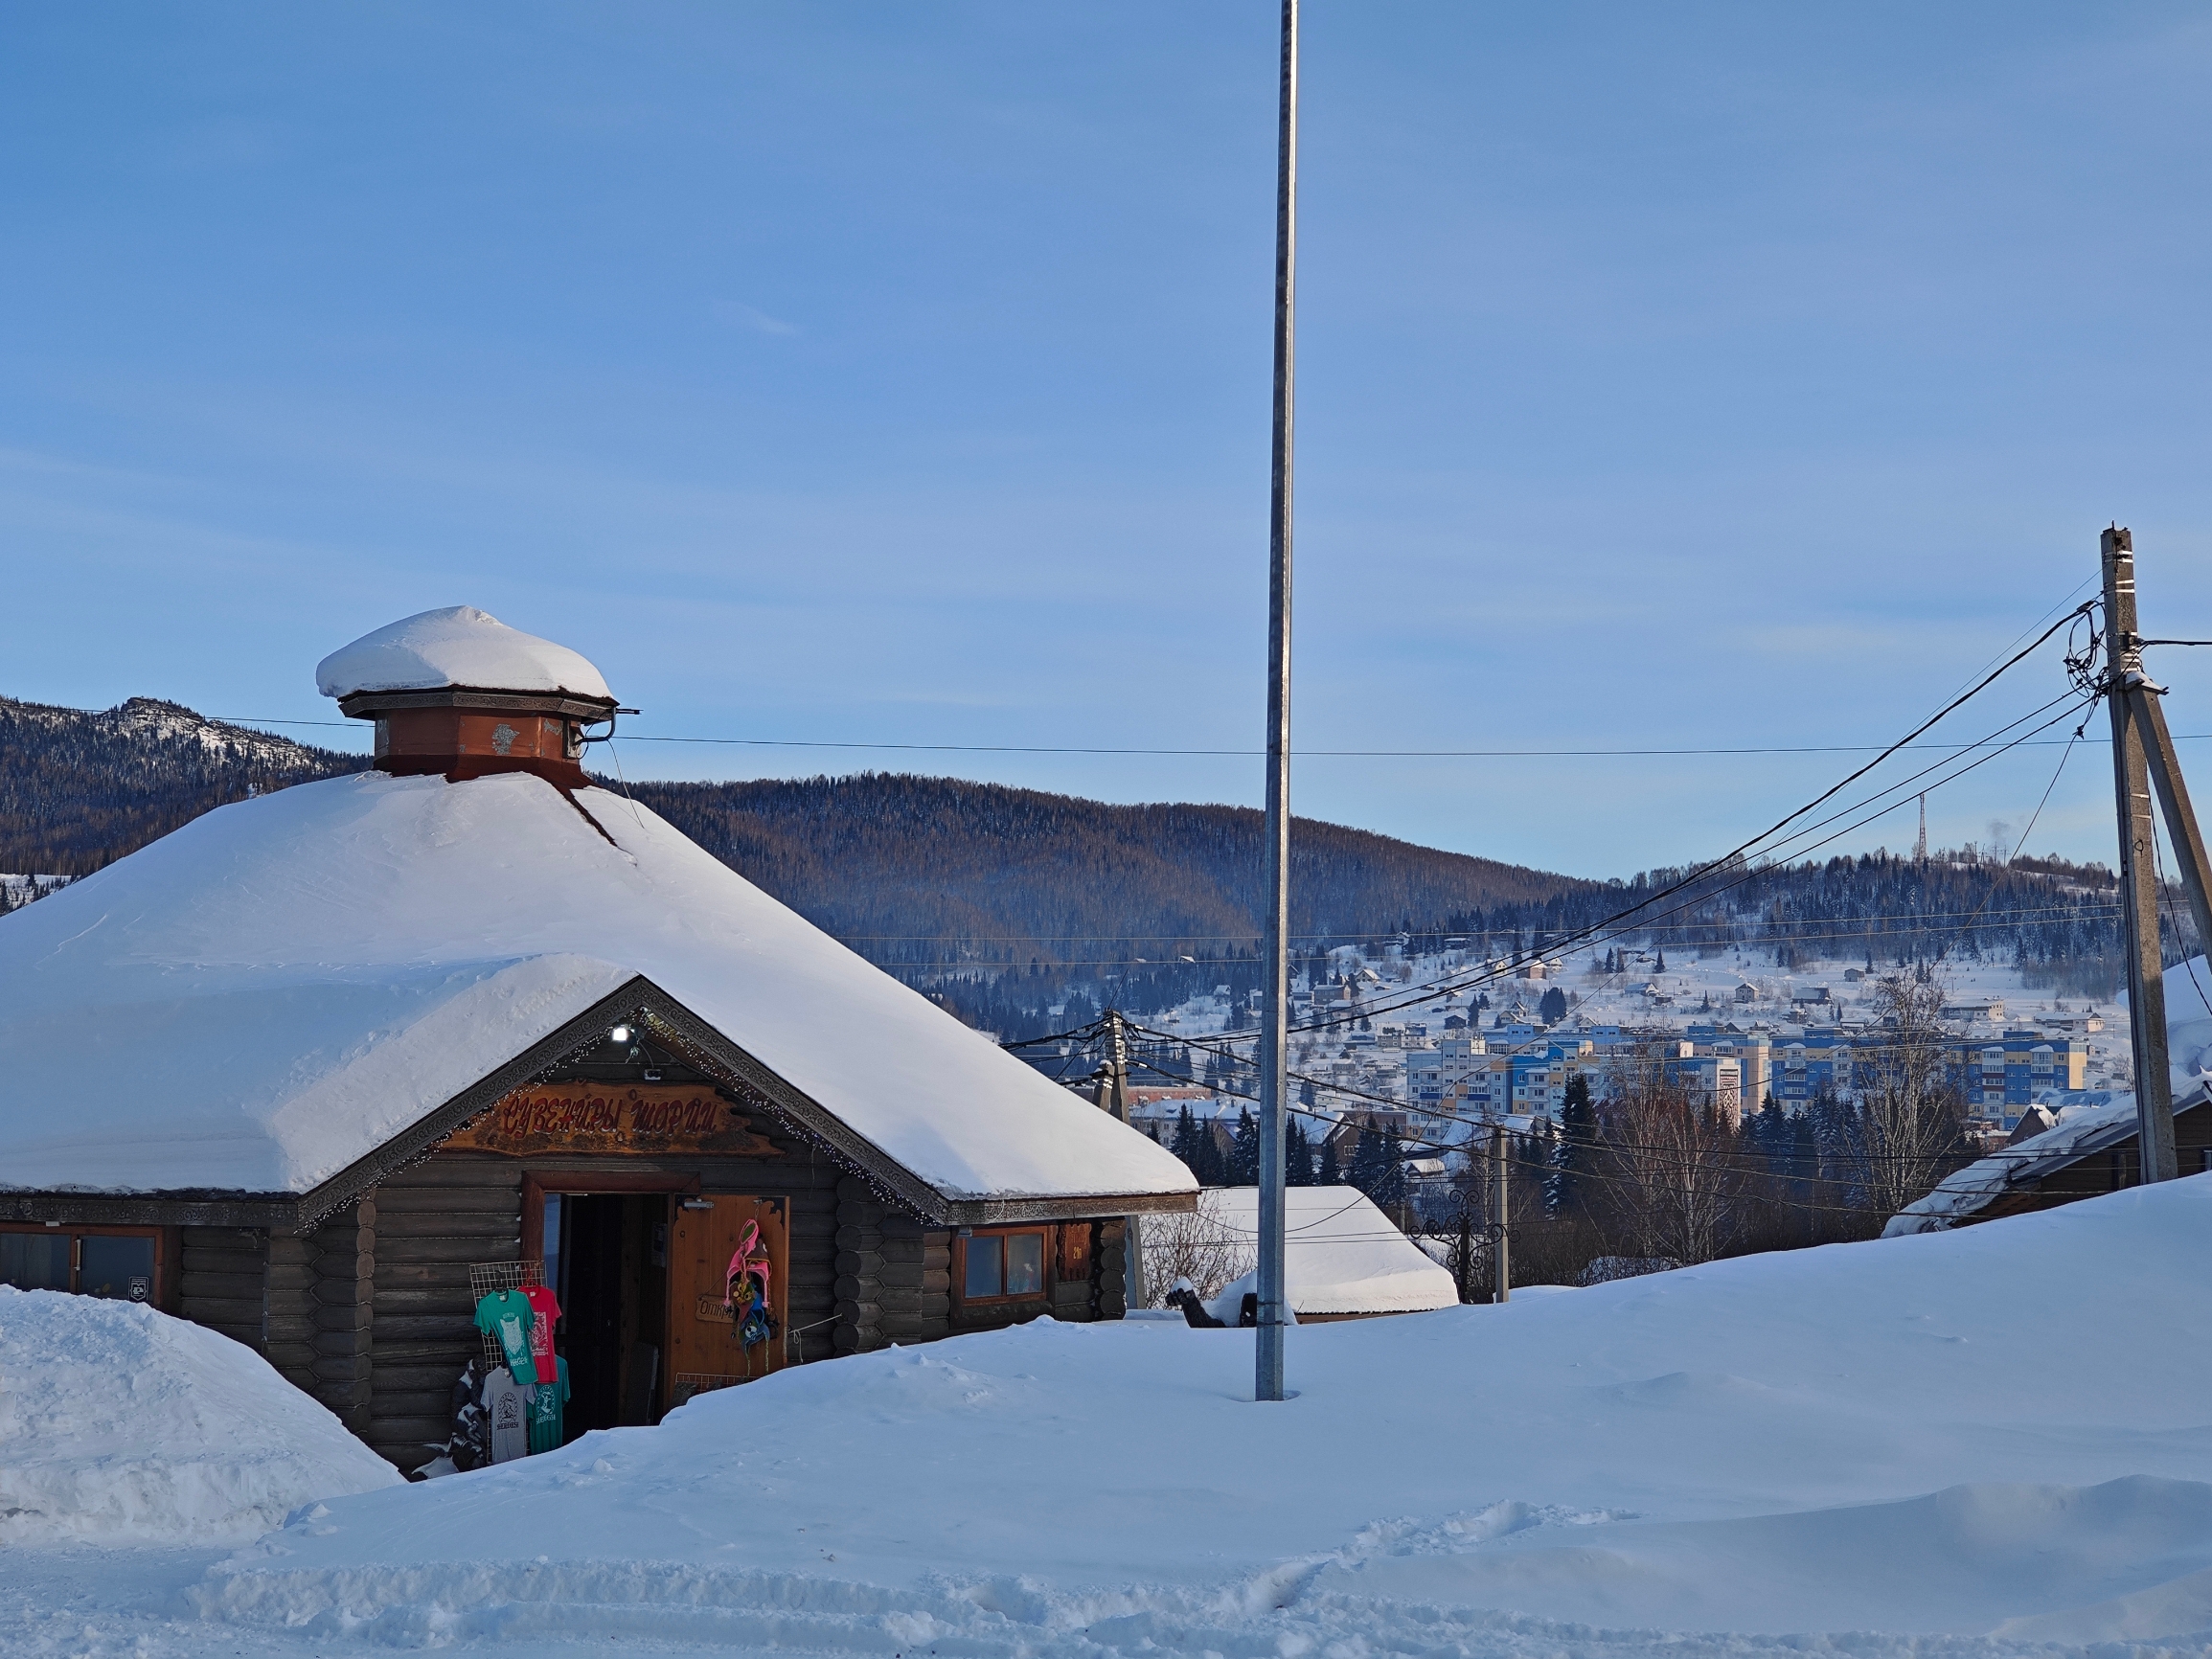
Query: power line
{"points": [[1393, 934], [1619, 924], [246, 722], [2086, 907]]}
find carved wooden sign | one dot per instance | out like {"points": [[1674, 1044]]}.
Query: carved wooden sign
{"points": [[617, 1118]]}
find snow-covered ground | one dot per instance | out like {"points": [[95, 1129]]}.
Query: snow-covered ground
{"points": [[1994, 1440]]}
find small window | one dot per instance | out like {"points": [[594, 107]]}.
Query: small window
{"points": [[1002, 1267], [986, 1270], [35, 1260], [120, 1268], [114, 1263], [1025, 1265]]}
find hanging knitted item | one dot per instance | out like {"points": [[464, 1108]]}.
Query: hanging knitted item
{"points": [[745, 1288], [746, 1285]]}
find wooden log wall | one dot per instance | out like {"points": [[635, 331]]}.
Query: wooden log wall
{"points": [[433, 1222], [222, 1280], [894, 1276], [321, 1320], [1110, 1269], [811, 1297]]}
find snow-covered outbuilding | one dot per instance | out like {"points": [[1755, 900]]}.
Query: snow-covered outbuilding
{"points": [[1342, 1257], [313, 1067]]}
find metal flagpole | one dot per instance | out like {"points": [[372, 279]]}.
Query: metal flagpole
{"points": [[1275, 1001]]}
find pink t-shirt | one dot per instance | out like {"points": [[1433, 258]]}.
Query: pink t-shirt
{"points": [[547, 1310]]}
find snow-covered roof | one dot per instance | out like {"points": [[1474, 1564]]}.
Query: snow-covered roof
{"points": [[279, 989], [2090, 1123], [1340, 1254], [459, 646]]}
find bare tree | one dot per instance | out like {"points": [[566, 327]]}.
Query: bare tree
{"points": [[1199, 1246], [1678, 1181], [1909, 1134]]}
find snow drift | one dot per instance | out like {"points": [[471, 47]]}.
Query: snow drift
{"points": [[119, 1423], [1998, 1432]]}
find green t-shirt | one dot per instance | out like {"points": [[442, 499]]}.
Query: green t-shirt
{"points": [[545, 1411], [507, 1315]]}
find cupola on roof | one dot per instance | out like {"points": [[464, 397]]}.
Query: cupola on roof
{"points": [[457, 646]]}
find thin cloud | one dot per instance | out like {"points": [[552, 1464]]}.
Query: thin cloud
{"points": [[738, 314]]}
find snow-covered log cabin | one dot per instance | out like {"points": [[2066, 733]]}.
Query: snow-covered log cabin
{"points": [[316, 1067]]}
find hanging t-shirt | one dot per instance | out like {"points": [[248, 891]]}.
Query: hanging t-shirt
{"points": [[510, 1417], [507, 1316], [545, 1413], [546, 1310]]}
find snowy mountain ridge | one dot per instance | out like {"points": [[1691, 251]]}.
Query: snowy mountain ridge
{"points": [[80, 787], [155, 720]]}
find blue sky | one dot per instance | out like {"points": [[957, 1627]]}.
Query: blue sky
{"points": [[1669, 377]]}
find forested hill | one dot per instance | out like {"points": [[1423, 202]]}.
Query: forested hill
{"points": [[81, 788], [1011, 904], [904, 867]]}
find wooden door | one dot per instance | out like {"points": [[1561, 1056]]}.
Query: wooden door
{"points": [[705, 1348]]}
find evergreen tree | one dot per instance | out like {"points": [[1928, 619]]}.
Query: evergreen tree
{"points": [[1217, 1158], [1661, 966], [1328, 1175], [1185, 1144], [1389, 1189], [1297, 1156], [1306, 1095], [1575, 1155], [1770, 1131], [1554, 1007], [1244, 1154], [1366, 1158]]}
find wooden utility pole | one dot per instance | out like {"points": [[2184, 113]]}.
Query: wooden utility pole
{"points": [[1275, 984], [1502, 1286], [2125, 691], [2165, 767], [1113, 1096]]}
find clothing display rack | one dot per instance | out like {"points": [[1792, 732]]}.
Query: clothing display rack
{"points": [[488, 1277]]}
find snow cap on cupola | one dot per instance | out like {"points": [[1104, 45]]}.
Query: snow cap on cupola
{"points": [[460, 693]]}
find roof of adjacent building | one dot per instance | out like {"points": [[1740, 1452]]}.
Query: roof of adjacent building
{"points": [[260, 1000], [1341, 1254]]}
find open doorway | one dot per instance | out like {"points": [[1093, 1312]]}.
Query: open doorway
{"points": [[606, 1257]]}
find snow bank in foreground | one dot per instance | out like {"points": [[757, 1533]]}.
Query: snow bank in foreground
{"points": [[1996, 1433], [121, 1423]]}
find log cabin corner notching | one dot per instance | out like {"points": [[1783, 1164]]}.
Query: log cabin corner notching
{"points": [[412, 1024]]}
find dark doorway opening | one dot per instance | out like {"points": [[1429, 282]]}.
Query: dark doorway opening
{"points": [[613, 1291]]}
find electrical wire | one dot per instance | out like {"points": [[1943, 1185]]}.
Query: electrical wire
{"points": [[1619, 924], [248, 722], [1395, 934]]}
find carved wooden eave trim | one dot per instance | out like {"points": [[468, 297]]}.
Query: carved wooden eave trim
{"points": [[640, 1002]]}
